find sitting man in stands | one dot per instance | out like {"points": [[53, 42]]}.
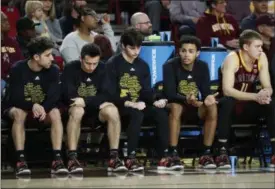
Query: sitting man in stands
{"points": [[216, 23], [240, 72], [187, 87], [132, 93], [85, 92], [25, 32], [142, 23], [186, 14], [87, 21], [34, 89], [260, 8], [266, 27]]}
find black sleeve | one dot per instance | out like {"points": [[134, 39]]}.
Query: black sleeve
{"points": [[68, 86], [204, 86], [53, 93], [170, 85], [146, 93], [102, 94], [16, 90], [113, 84], [158, 91]]}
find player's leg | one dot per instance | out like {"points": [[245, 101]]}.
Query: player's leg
{"points": [[110, 115]]}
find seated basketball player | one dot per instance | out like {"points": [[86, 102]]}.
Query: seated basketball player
{"points": [[84, 91], [34, 88], [240, 72], [132, 93], [187, 87]]}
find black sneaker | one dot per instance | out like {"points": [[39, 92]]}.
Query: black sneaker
{"points": [[116, 165], [132, 164], [207, 162], [58, 167], [74, 166], [22, 168], [176, 164], [223, 162]]}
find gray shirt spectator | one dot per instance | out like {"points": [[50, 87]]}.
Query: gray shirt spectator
{"points": [[73, 43], [184, 11], [54, 30]]}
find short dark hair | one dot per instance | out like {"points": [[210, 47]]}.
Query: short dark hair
{"points": [[90, 49], [131, 37], [38, 45], [247, 36], [188, 39]]}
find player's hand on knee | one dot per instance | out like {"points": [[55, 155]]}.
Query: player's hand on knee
{"points": [[78, 102], [211, 100], [37, 109], [105, 104], [160, 103]]}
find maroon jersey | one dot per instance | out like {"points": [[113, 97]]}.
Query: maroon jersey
{"points": [[245, 79]]}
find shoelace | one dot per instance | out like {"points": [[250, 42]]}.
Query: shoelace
{"points": [[207, 159], [74, 161], [58, 164]]}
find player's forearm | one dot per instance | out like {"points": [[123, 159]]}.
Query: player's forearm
{"points": [[244, 96]]}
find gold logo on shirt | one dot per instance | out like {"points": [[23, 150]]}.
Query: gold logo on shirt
{"points": [[129, 86], [185, 88], [85, 90], [34, 93]]}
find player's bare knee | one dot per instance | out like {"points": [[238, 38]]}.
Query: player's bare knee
{"points": [[76, 113], [176, 110], [18, 115], [54, 115], [111, 113]]}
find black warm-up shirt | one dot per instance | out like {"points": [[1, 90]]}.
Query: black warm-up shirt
{"points": [[27, 87], [92, 87], [129, 81], [179, 82]]}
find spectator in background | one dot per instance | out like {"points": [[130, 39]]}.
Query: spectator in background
{"points": [[105, 47], [25, 32], [34, 11], [186, 14], [266, 27], [154, 9], [260, 8], [87, 21], [49, 17], [216, 23], [238, 9], [141, 22], [67, 22], [10, 51]]}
